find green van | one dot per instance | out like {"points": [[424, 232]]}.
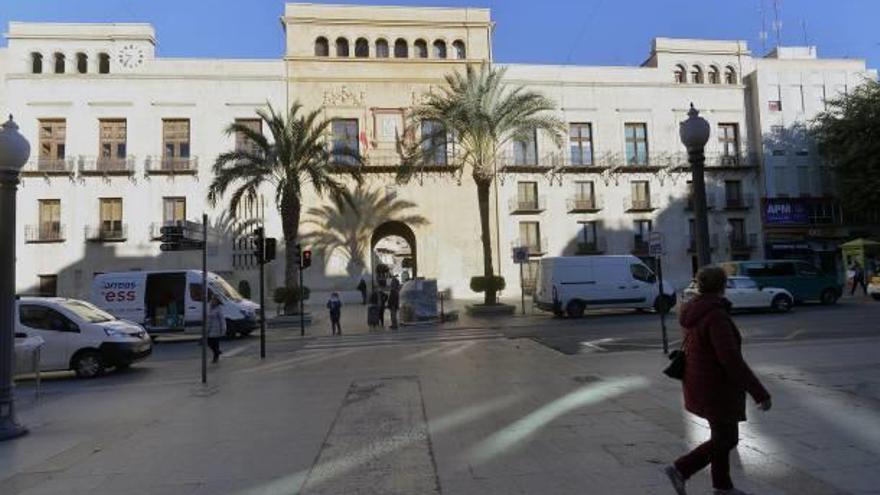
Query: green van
{"points": [[805, 281]]}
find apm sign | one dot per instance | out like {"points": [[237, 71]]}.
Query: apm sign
{"points": [[785, 211]]}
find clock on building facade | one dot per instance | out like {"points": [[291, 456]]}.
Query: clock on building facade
{"points": [[130, 56]]}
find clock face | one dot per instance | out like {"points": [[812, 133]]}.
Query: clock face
{"points": [[130, 56]]}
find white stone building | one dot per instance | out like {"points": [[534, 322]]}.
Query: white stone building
{"points": [[123, 141]]}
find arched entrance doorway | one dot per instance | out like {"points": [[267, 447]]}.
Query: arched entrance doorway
{"points": [[393, 253]]}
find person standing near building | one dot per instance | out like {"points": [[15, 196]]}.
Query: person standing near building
{"points": [[335, 307], [394, 302], [716, 380], [216, 327], [362, 288], [858, 278]]}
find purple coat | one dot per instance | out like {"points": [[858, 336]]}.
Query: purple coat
{"points": [[716, 378]]}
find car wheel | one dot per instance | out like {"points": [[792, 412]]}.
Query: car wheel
{"points": [[663, 304], [781, 304], [829, 296], [876, 296], [575, 309], [88, 364]]}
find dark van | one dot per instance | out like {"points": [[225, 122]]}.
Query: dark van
{"points": [[804, 280]]}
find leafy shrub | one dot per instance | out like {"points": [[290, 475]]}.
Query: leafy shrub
{"points": [[290, 296], [482, 284]]}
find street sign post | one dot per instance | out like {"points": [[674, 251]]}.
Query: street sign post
{"points": [[521, 257], [655, 249]]}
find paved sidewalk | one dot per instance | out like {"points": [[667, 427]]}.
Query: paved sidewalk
{"points": [[490, 416]]}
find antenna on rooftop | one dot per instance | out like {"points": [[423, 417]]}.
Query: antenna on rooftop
{"points": [[777, 24], [762, 34], [804, 28]]}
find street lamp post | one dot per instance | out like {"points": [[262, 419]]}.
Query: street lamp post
{"points": [[694, 134], [14, 152]]}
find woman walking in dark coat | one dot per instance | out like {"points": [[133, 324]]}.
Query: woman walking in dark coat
{"points": [[716, 380]]}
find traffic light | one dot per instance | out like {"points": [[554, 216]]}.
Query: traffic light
{"points": [[269, 248], [259, 245], [297, 255], [306, 259]]}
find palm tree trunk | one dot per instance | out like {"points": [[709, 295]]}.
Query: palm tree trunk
{"points": [[290, 211], [486, 236]]}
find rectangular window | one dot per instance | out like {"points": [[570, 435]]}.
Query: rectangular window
{"points": [[527, 195], [434, 142], [642, 229], [733, 193], [827, 180], [588, 234], [53, 134], [780, 182], [50, 219], [112, 141], [580, 138], [803, 175], [641, 195], [242, 142], [636, 144], [173, 211], [111, 218], [175, 143], [728, 138], [737, 232], [344, 143], [530, 236], [525, 151], [584, 193]]}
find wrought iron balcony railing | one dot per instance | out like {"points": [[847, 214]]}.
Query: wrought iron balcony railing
{"points": [[45, 232], [107, 233]]}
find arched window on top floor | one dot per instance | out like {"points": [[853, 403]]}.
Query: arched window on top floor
{"points": [[729, 75], [420, 47], [322, 47], [458, 47], [59, 63], [696, 74], [36, 63], [341, 47], [680, 75], [401, 48], [439, 49], [714, 75], [381, 48], [361, 48], [103, 63], [82, 63]]}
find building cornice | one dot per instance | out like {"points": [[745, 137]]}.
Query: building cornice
{"points": [[144, 77], [385, 22]]}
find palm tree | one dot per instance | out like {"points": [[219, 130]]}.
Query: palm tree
{"points": [[297, 156], [483, 115], [350, 229]]}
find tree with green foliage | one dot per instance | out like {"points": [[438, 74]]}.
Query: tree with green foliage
{"points": [[482, 116], [848, 136], [297, 156]]}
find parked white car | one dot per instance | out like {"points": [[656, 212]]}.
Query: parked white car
{"points": [[745, 293], [79, 336]]}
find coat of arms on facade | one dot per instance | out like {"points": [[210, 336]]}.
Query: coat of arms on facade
{"points": [[344, 96]]}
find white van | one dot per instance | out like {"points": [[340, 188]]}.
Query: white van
{"points": [[79, 336], [171, 300], [571, 284]]}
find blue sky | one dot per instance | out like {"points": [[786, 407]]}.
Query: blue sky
{"points": [[586, 32]]}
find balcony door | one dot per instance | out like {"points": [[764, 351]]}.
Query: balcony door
{"points": [[111, 218], [50, 219]]}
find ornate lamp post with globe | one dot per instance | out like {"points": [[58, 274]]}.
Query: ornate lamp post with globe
{"points": [[694, 134], [14, 152]]}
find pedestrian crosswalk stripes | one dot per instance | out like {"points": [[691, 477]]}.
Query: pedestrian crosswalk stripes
{"points": [[401, 338]]}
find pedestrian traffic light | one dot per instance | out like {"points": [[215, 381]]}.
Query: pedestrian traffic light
{"points": [[306, 259], [259, 244]]}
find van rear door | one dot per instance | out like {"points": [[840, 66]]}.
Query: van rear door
{"points": [[164, 300]]}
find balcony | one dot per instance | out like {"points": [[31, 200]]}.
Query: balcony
{"points": [[526, 205], [635, 205], [44, 233], [537, 247], [743, 243], [102, 233], [106, 166], [741, 202], [512, 162], [713, 243], [583, 204], [595, 246], [711, 202], [157, 165], [49, 167]]}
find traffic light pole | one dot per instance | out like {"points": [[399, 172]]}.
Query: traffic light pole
{"points": [[302, 315], [263, 299], [204, 298]]}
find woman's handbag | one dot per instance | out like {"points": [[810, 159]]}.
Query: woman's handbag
{"points": [[675, 369]]}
